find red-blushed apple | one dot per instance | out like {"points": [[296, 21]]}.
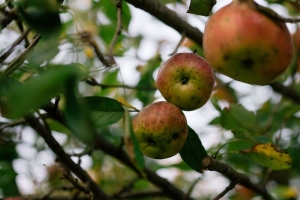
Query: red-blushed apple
{"points": [[246, 44], [160, 129], [186, 80]]}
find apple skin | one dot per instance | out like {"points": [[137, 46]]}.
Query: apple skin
{"points": [[160, 129], [186, 80], [246, 45]]}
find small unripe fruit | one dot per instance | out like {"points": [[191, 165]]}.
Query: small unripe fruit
{"points": [[160, 129], [246, 44], [186, 80]]}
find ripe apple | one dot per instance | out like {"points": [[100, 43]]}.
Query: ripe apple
{"points": [[247, 45], [186, 80], [160, 129]]}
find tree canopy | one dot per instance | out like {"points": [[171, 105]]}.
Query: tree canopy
{"points": [[75, 73]]}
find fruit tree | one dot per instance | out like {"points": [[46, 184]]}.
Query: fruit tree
{"points": [[149, 99]]}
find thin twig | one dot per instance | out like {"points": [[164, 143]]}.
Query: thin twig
{"points": [[65, 159], [141, 195], [118, 31], [16, 42], [87, 37], [188, 194], [16, 123], [47, 196], [227, 189], [128, 187], [17, 62], [103, 86], [75, 183], [178, 45], [106, 146], [211, 164]]}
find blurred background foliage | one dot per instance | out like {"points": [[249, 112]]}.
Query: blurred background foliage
{"points": [[55, 51]]}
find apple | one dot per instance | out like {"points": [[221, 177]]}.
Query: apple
{"points": [[186, 80], [247, 45], [160, 129]]}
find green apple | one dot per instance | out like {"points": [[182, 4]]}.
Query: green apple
{"points": [[247, 45], [160, 129], [186, 80]]}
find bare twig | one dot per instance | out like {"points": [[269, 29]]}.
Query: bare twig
{"points": [[76, 184], [213, 165], [16, 42], [189, 192], [106, 146], [21, 58], [178, 45], [66, 160], [16, 123], [47, 196], [103, 86], [128, 187], [141, 194], [227, 189], [87, 37], [118, 30]]}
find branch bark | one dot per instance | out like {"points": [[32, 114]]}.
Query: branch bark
{"points": [[213, 165], [286, 91], [104, 145], [65, 158], [169, 17]]}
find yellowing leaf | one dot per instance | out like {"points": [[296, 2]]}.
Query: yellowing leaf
{"points": [[126, 104], [269, 155], [285, 192], [89, 52]]}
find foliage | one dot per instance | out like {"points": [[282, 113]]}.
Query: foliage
{"points": [[75, 73]]}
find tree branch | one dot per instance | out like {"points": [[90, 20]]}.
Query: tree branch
{"points": [[286, 91], [213, 165], [168, 189], [104, 145], [118, 30], [65, 158], [169, 17]]}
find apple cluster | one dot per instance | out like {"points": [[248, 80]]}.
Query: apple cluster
{"points": [[243, 41], [186, 81]]}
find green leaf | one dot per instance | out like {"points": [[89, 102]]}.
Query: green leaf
{"points": [[237, 117], [131, 143], [42, 16], [201, 7], [45, 50], [8, 183], [262, 139], [269, 155], [215, 121], [243, 134], [193, 152], [147, 80], [39, 91], [76, 118], [102, 110], [214, 101], [109, 9]]}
